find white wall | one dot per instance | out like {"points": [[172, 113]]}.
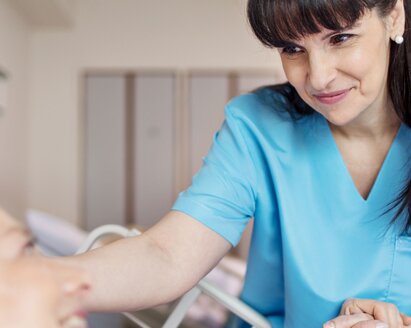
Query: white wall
{"points": [[119, 34], [14, 50]]}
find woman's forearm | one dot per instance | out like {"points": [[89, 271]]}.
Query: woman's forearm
{"points": [[153, 268]]}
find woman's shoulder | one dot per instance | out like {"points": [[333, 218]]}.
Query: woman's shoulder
{"points": [[277, 102]]}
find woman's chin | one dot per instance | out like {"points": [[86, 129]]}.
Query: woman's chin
{"points": [[339, 118]]}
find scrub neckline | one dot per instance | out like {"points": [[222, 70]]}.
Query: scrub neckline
{"points": [[343, 170]]}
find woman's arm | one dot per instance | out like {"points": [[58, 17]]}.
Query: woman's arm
{"points": [[154, 268]]}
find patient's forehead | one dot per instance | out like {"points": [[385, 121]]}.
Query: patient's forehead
{"points": [[14, 237], [8, 223]]}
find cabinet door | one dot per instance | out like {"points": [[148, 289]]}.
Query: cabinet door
{"points": [[104, 150], [208, 96], [249, 82], [154, 147]]}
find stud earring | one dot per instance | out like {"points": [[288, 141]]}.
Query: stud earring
{"points": [[399, 39]]}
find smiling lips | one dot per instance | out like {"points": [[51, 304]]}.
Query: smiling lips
{"points": [[332, 97]]}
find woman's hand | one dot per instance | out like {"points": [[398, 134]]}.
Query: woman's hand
{"points": [[386, 312], [379, 314]]}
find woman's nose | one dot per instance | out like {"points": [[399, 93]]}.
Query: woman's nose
{"points": [[321, 71]]}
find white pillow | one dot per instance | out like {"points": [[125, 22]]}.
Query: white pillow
{"points": [[54, 236]]}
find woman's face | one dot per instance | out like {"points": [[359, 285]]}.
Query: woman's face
{"points": [[36, 291], [343, 75]]}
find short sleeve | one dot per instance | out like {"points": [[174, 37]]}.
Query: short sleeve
{"points": [[223, 194]]}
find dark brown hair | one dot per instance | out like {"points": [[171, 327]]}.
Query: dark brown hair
{"points": [[277, 22]]}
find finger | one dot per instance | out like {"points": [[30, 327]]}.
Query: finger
{"points": [[364, 305], [388, 313], [405, 319], [351, 306], [371, 324], [347, 321]]}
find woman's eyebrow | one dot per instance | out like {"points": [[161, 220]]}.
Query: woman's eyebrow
{"points": [[349, 27], [284, 44]]}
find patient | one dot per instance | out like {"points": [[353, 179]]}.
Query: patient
{"points": [[36, 292]]}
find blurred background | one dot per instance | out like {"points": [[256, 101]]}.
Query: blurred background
{"points": [[108, 106]]}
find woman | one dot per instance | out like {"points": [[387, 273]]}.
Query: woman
{"points": [[321, 163], [36, 292]]}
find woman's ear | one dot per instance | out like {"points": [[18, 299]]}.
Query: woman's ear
{"points": [[396, 20]]}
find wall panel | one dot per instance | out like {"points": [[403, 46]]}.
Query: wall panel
{"points": [[154, 124], [208, 97], [105, 151]]}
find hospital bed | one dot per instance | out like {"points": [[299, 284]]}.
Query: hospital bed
{"points": [[231, 303]]}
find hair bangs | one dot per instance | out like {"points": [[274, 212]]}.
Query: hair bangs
{"points": [[277, 22]]}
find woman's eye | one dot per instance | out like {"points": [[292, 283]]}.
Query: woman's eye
{"points": [[340, 38], [291, 50]]}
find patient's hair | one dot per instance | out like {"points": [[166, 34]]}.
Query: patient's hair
{"points": [[277, 22]]}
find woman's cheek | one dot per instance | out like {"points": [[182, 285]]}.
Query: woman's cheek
{"points": [[295, 72]]}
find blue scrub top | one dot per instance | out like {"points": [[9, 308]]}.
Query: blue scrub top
{"points": [[316, 241]]}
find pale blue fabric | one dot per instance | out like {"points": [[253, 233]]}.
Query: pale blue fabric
{"points": [[316, 241]]}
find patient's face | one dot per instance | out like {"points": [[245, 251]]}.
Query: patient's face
{"points": [[36, 291]]}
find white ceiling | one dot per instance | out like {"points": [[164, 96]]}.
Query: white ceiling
{"points": [[46, 13]]}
